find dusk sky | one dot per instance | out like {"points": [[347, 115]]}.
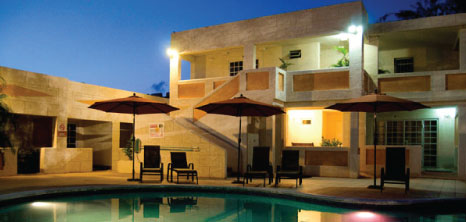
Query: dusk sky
{"points": [[122, 44]]}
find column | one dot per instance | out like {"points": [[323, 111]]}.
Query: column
{"points": [[249, 56], [175, 76], [356, 58], [462, 53], [371, 57], [115, 144], [278, 140], [353, 157], [461, 141]]}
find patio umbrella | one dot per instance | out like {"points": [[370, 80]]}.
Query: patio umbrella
{"points": [[376, 103], [241, 106], [133, 105]]}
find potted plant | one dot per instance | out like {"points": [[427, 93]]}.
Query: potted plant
{"points": [[128, 149], [284, 64], [344, 61], [330, 143]]}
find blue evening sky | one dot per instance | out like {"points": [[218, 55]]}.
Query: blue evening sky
{"points": [[121, 43]]}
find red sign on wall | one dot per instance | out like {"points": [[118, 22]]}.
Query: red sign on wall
{"points": [[61, 130]]}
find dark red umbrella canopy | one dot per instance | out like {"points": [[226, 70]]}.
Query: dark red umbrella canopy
{"points": [[241, 106], [377, 103], [133, 105]]}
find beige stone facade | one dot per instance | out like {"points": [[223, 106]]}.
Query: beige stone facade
{"points": [[311, 82], [423, 60]]}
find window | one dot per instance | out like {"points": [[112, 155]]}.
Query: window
{"points": [[126, 129], [295, 54], [71, 136], [411, 132], [235, 67], [404, 65]]}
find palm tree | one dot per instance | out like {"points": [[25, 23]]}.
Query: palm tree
{"points": [[427, 8]]}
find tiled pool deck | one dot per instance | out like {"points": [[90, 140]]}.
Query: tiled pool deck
{"points": [[420, 188]]}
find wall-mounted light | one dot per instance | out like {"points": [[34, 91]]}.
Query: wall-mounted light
{"points": [[173, 53], [355, 29], [446, 112]]}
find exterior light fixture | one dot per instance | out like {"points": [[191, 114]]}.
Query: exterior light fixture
{"points": [[172, 53], [355, 29]]}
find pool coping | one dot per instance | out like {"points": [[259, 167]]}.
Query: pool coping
{"points": [[441, 204]]}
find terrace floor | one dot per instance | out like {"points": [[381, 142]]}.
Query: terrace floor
{"points": [[420, 188]]}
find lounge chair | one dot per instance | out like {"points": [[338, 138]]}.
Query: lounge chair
{"points": [[290, 168], [261, 167], [152, 164], [395, 164], [181, 167]]}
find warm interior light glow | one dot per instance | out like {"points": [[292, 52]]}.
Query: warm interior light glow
{"points": [[172, 53], [298, 132]]}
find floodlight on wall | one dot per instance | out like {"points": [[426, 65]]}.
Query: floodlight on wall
{"points": [[173, 53], [355, 29]]}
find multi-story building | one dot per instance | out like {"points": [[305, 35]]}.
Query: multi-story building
{"points": [[302, 61], [422, 60]]}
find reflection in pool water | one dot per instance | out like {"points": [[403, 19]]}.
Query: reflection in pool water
{"points": [[158, 206]]}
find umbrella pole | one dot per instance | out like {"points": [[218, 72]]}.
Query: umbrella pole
{"points": [[239, 153], [374, 186], [134, 140]]}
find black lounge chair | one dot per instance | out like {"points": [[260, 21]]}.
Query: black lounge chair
{"points": [[152, 164], [395, 164], [261, 167], [181, 167], [290, 168]]}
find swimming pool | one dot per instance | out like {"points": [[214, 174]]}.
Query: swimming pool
{"points": [[207, 205]]}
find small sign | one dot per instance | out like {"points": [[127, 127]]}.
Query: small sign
{"points": [[156, 130], [61, 130]]}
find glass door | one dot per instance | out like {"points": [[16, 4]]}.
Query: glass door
{"points": [[412, 132]]}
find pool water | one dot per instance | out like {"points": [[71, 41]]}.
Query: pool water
{"points": [[159, 206]]}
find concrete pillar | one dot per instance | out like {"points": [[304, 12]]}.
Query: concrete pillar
{"points": [[462, 42], [249, 56], [115, 144], [353, 156], [278, 141], [462, 141], [175, 76], [356, 58], [61, 123], [371, 57]]}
